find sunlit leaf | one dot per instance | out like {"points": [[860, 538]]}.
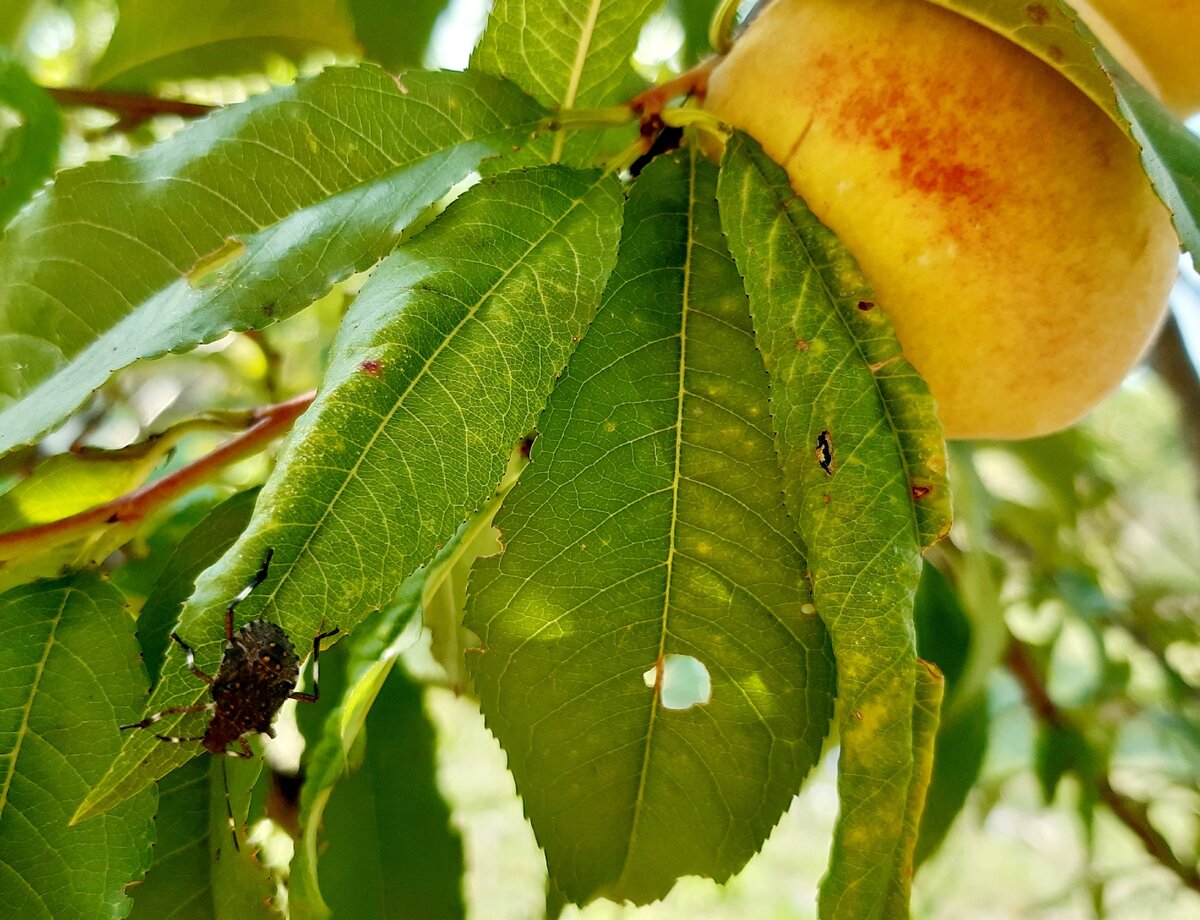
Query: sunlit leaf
{"points": [[864, 481], [440, 368], [29, 133], [156, 40], [647, 545], [69, 674], [235, 222]]}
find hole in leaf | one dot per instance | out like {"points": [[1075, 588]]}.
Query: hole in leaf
{"points": [[682, 682]]}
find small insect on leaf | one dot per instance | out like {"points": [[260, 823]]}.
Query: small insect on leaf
{"points": [[257, 674]]}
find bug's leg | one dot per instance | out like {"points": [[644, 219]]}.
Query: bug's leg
{"points": [[173, 711], [245, 592], [191, 659], [229, 805], [171, 739], [316, 670]]}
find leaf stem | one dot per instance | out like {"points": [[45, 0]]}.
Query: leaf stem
{"points": [[1129, 811], [262, 425], [574, 119], [720, 27], [133, 108]]}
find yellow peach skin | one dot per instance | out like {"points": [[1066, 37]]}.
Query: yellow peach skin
{"points": [[1165, 34], [1002, 217]]}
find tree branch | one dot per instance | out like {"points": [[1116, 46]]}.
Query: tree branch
{"points": [[263, 425], [1129, 811], [133, 108], [1170, 359]]}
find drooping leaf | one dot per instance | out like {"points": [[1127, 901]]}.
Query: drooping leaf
{"points": [[156, 40], [1053, 32], [395, 34], [440, 367], [197, 873], [239, 220], [864, 481], [387, 849], [69, 675], [648, 535], [29, 134], [574, 54], [929, 690], [204, 545]]}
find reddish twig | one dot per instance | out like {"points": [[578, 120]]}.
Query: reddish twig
{"points": [[1129, 811], [263, 425], [133, 108]]}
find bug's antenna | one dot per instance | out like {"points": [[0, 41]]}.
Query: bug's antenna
{"points": [[245, 592], [229, 804]]}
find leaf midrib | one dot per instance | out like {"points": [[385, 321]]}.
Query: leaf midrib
{"points": [[576, 75], [815, 272], [34, 686], [470, 316], [676, 478]]}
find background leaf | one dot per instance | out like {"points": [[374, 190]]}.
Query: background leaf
{"points": [[944, 637], [203, 545], [864, 480], [395, 34], [649, 524], [238, 220], [694, 16], [29, 135], [68, 675], [440, 368], [156, 40], [197, 874], [566, 53], [388, 851]]}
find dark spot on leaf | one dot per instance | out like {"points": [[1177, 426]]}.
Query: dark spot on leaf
{"points": [[825, 452], [1056, 53], [269, 308], [802, 344], [371, 367], [866, 305], [919, 491], [1038, 13], [113, 518], [825, 498]]}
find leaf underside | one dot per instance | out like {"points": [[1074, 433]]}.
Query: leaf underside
{"points": [[440, 367], [649, 523]]}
